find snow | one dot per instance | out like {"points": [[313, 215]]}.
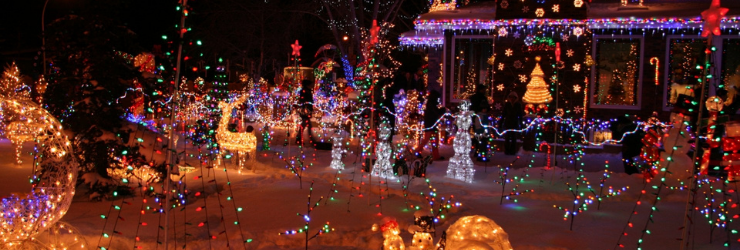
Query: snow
{"points": [[272, 196]]}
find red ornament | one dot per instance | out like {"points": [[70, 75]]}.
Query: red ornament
{"points": [[557, 52]]}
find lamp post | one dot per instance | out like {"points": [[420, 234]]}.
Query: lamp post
{"points": [[43, 36]]}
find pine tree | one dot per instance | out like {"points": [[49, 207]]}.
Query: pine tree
{"points": [[88, 76], [11, 85]]}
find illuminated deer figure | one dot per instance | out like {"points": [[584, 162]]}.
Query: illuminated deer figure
{"points": [[19, 132], [244, 144]]}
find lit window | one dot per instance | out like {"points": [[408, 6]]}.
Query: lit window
{"points": [[617, 73]]}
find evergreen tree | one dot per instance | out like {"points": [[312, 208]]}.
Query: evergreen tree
{"points": [[90, 72]]}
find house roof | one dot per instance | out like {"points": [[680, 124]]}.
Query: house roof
{"points": [[658, 14]]}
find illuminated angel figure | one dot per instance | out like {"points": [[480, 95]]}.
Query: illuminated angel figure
{"points": [[461, 166], [25, 216], [244, 143], [382, 166], [336, 152]]}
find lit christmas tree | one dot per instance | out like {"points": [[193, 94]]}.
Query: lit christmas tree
{"points": [[470, 83], [11, 85], [537, 92]]}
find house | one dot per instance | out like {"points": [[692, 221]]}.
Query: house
{"points": [[615, 58]]}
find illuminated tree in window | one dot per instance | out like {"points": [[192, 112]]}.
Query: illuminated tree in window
{"points": [[470, 83], [622, 85]]}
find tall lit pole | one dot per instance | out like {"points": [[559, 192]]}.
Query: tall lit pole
{"points": [[171, 151], [43, 36]]}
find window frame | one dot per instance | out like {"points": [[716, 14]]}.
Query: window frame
{"points": [[592, 86], [450, 80], [667, 61]]}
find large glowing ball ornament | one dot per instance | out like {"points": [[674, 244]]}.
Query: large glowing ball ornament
{"points": [[461, 166], [382, 167], [24, 216], [477, 232]]}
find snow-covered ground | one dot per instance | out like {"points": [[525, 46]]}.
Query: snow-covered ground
{"points": [[271, 197]]}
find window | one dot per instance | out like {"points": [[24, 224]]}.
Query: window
{"points": [[617, 72], [681, 72], [730, 75], [469, 66]]}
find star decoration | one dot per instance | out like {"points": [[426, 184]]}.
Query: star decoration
{"points": [[539, 12], [509, 52], [500, 66], [576, 88], [577, 67], [497, 106], [517, 35], [518, 64], [502, 31], [712, 18], [525, 9], [296, 49], [578, 31], [565, 37], [556, 8], [569, 53], [578, 109], [522, 78], [578, 3], [500, 87]]}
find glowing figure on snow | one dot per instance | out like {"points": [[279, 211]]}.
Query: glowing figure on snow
{"points": [[391, 238], [461, 166], [382, 166], [244, 144], [336, 153]]}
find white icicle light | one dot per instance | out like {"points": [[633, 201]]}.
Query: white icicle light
{"points": [[337, 151], [382, 167], [461, 166]]}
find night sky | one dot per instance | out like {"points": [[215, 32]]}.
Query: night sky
{"points": [[20, 34]]}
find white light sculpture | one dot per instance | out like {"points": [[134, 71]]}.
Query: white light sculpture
{"points": [[382, 166], [336, 152], [461, 166]]}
